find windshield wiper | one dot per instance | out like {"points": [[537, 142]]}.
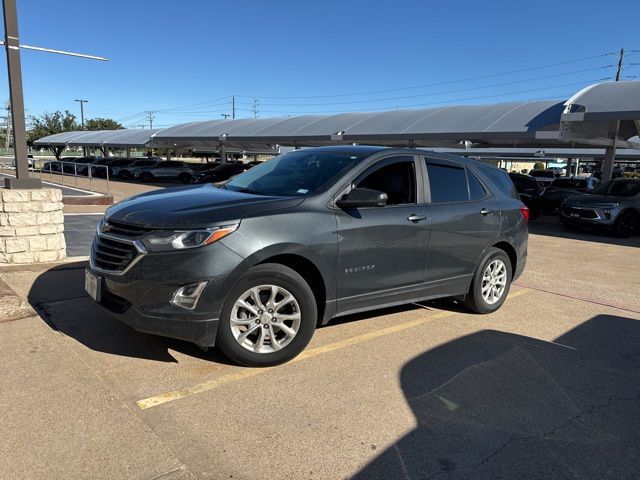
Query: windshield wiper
{"points": [[247, 190]]}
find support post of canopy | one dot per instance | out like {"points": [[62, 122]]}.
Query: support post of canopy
{"points": [[610, 152]]}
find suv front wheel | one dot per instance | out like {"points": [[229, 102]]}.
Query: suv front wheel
{"points": [[491, 283], [268, 318]]}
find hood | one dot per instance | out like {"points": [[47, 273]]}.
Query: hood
{"points": [[592, 200], [193, 207]]}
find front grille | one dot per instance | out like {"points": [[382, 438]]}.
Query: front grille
{"points": [[570, 211], [126, 230], [113, 255]]}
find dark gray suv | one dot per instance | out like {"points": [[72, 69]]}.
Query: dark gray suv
{"points": [[253, 267]]}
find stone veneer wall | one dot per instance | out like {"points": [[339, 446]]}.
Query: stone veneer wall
{"points": [[31, 226]]}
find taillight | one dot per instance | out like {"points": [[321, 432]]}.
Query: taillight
{"points": [[524, 210]]}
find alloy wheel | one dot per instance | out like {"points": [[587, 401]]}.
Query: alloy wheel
{"points": [[494, 281], [265, 319]]}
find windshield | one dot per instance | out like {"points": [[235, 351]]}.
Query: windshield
{"points": [[541, 173], [619, 189], [569, 183], [298, 173]]}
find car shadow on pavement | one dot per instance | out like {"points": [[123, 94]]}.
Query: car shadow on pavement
{"points": [[550, 225], [58, 295], [498, 405]]}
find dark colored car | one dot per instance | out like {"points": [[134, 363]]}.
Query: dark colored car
{"points": [[614, 206], [563, 188], [99, 167], [529, 192], [543, 177], [220, 173], [305, 237]]}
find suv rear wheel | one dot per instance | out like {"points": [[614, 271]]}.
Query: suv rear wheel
{"points": [[491, 283], [268, 318]]}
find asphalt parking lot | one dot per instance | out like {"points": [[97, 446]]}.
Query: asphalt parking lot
{"points": [[547, 387]]}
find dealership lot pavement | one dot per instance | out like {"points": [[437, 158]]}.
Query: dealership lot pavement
{"points": [[79, 230], [547, 387]]}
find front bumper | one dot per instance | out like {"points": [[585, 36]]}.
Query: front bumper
{"points": [[201, 331], [141, 296], [587, 216]]}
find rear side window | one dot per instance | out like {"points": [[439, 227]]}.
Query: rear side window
{"points": [[501, 180], [447, 183], [476, 190]]}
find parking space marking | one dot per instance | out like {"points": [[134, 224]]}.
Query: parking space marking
{"points": [[582, 299], [306, 354]]}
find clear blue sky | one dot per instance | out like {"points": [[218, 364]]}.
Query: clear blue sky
{"points": [[184, 59]]}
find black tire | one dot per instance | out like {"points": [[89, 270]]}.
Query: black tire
{"points": [[281, 276], [572, 227], [125, 175], [626, 225], [185, 178], [146, 177], [474, 300]]}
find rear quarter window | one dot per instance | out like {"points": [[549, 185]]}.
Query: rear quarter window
{"points": [[500, 179]]}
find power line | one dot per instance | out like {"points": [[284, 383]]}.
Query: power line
{"points": [[442, 92], [450, 101], [448, 82]]}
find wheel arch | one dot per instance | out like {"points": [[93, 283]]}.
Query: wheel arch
{"points": [[507, 248], [307, 270]]}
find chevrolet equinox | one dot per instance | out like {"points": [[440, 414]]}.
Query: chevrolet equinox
{"points": [[254, 266]]}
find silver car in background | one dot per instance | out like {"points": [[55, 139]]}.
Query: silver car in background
{"points": [[169, 170], [614, 206]]}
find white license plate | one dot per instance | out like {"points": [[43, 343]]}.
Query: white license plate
{"points": [[575, 215], [92, 285]]}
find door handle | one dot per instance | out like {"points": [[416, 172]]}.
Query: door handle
{"points": [[416, 218], [484, 211]]}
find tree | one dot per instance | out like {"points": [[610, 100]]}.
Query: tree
{"points": [[102, 124], [538, 166], [50, 124]]}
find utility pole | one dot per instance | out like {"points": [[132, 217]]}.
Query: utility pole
{"points": [[254, 107], [620, 65], [82, 102], [150, 116], [233, 107]]}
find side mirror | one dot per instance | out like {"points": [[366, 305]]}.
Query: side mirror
{"points": [[363, 197]]}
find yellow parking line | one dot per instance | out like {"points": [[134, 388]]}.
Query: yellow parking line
{"points": [[310, 353]]}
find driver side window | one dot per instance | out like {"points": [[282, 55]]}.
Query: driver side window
{"points": [[397, 180]]}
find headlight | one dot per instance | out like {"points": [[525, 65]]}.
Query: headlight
{"points": [[162, 241]]}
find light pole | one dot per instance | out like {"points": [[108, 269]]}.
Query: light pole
{"points": [[82, 102], [14, 69], [12, 46]]}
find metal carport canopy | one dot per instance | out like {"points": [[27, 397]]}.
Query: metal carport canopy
{"points": [[603, 112], [99, 138], [508, 124]]}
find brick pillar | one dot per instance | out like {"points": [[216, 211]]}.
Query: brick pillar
{"points": [[31, 226]]}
